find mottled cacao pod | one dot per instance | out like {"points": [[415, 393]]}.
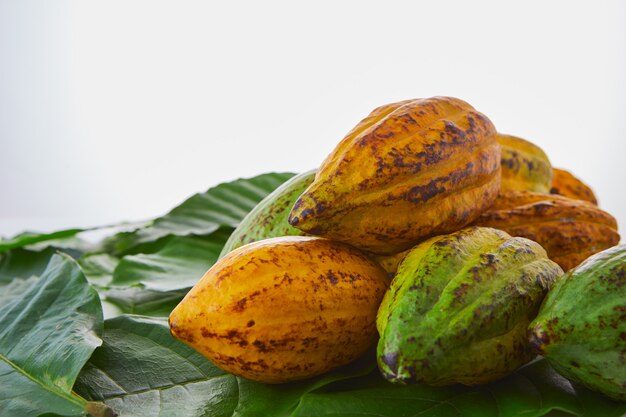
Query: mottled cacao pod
{"points": [[525, 166], [390, 263], [269, 218], [566, 184], [569, 230], [459, 306], [408, 171], [283, 309], [581, 327]]}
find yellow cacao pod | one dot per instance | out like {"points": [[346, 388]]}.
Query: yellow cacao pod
{"points": [[525, 166], [283, 309], [409, 170], [569, 230], [390, 263], [566, 184]]}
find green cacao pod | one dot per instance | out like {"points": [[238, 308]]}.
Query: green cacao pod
{"points": [[525, 166], [269, 218], [459, 306], [581, 327]]}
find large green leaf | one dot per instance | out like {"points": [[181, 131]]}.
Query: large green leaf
{"points": [[19, 269], [179, 264], [23, 264], [141, 370], [202, 214], [152, 284], [30, 238], [74, 246], [99, 267], [533, 391], [139, 300], [46, 336]]}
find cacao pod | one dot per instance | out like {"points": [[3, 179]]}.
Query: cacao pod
{"points": [[283, 309], [269, 218], [581, 327], [567, 185], [459, 307], [409, 170], [525, 166], [390, 263], [569, 230]]}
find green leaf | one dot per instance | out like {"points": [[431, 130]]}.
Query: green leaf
{"points": [[533, 391], [202, 214], [46, 336], [73, 246], [29, 238], [141, 370], [178, 265], [138, 300], [19, 269], [21, 263], [99, 267], [152, 284]]}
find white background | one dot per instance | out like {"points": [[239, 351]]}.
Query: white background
{"points": [[119, 110]]}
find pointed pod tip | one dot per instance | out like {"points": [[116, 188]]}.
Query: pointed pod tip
{"points": [[388, 366], [303, 216], [538, 338], [294, 214]]}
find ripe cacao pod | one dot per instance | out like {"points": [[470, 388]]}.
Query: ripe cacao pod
{"points": [[567, 185], [283, 309], [390, 263], [581, 327], [409, 170], [459, 307], [569, 230], [269, 218], [525, 166]]}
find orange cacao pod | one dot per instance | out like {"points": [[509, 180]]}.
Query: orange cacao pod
{"points": [[525, 166], [566, 184], [569, 230], [408, 171]]}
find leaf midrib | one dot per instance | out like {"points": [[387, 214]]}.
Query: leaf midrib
{"points": [[75, 399]]}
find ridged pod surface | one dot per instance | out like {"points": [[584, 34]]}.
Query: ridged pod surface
{"points": [[525, 166], [567, 185], [569, 230], [269, 217], [409, 170], [283, 309], [459, 307], [581, 327]]}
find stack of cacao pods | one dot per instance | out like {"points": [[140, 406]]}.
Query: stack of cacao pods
{"points": [[430, 232]]}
